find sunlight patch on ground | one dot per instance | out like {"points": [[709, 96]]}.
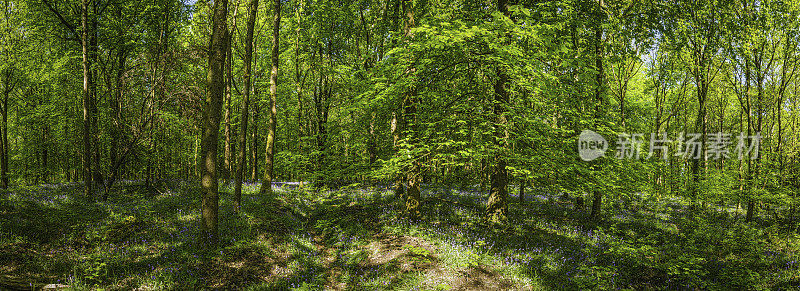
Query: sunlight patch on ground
{"points": [[188, 216]]}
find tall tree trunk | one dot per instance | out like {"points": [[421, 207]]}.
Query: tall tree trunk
{"points": [[744, 102], [597, 202], [497, 205], [760, 76], [226, 172], [86, 158], [366, 65], [211, 115], [299, 79], [97, 178], [160, 81], [413, 173], [248, 55], [8, 86], [156, 93], [321, 105], [266, 184], [786, 77], [116, 161]]}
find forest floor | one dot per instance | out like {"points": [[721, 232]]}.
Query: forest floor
{"points": [[351, 239]]}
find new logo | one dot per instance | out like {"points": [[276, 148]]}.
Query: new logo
{"points": [[591, 145]]}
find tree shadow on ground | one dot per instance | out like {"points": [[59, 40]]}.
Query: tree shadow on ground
{"points": [[345, 240]]}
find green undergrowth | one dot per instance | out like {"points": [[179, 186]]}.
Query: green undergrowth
{"points": [[352, 239]]}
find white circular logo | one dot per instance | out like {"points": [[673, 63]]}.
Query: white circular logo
{"points": [[591, 145]]}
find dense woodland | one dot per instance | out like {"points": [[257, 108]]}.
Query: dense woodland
{"points": [[274, 128]]}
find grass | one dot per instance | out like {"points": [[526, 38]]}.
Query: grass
{"points": [[351, 239]]}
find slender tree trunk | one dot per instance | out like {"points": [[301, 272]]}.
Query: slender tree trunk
{"points": [[160, 81], [786, 77], [266, 184], [622, 109], [226, 172], [97, 178], [760, 76], [372, 147], [745, 185], [751, 203], [4, 146], [254, 137], [321, 96], [323, 120], [481, 172], [226, 132], [7, 88], [151, 147], [4, 143], [299, 79], [248, 55], [211, 116], [196, 160], [113, 152], [45, 153], [116, 161], [156, 93], [86, 158], [399, 189]]}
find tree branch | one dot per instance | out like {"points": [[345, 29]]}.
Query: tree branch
{"points": [[60, 18]]}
